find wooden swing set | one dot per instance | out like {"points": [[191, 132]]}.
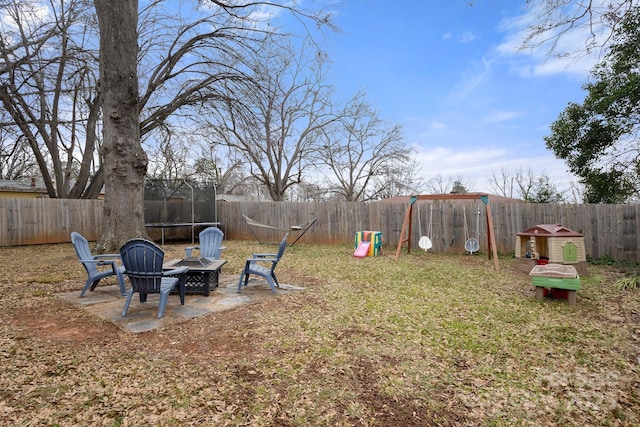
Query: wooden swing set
{"points": [[407, 224]]}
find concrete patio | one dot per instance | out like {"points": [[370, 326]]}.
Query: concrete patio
{"points": [[107, 303]]}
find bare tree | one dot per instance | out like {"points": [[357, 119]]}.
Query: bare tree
{"points": [[502, 185], [186, 66], [16, 160], [221, 165], [555, 20], [276, 123], [440, 185], [437, 185], [183, 77], [195, 154], [576, 193], [398, 178], [309, 192], [526, 185], [367, 160], [125, 161], [525, 182], [48, 88], [169, 158]]}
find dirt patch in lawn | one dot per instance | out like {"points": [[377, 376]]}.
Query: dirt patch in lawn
{"points": [[214, 329]]}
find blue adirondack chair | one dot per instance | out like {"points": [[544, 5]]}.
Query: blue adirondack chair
{"points": [[252, 266], [210, 243], [91, 263], [142, 261]]}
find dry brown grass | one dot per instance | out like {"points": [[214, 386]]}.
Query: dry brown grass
{"points": [[427, 340]]}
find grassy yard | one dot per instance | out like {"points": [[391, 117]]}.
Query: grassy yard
{"points": [[428, 340]]}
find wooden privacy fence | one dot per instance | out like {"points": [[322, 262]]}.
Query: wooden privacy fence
{"points": [[612, 230], [33, 221]]}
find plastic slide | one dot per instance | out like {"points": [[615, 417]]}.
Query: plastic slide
{"points": [[363, 249]]}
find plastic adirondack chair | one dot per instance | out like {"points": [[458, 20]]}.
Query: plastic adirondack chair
{"points": [[210, 246], [91, 263], [252, 267], [142, 261]]}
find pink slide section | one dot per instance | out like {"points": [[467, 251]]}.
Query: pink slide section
{"points": [[363, 249]]}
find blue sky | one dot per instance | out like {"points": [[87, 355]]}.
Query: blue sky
{"points": [[451, 75]]}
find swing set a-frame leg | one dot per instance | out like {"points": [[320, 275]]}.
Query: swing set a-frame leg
{"points": [[406, 224]]}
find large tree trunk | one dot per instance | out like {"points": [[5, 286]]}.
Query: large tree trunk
{"points": [[125, 162]]}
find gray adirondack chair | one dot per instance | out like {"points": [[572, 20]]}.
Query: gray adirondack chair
{"points": [[142, 261], [210, 243], [253, 266], [91, 263]]}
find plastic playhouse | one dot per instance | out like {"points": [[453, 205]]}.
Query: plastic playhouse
{"points": [[368, 243], [550, 243]]}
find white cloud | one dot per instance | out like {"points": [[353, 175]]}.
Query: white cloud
{"points": [[447, 161], [477, 165], [435, 125], [466, 37], [500, 116], [470, 80]]}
